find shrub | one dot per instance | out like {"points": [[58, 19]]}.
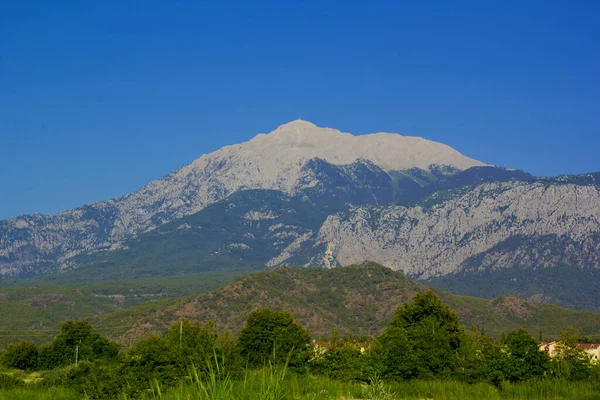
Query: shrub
{"points": [[22, 355], [191, 343], [344, 362], [571, 362], [9, 382], [168, 358], [94, 380], [152, 359]]}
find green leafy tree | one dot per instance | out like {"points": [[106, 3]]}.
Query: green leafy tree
{"points": [[272, 336], [192, 343], [169, 358], [423, 340], [483, 359], [152, 359], [21, 355], [571, 362], [525, 360], [230, 361], [76, 342], [394, 356]]}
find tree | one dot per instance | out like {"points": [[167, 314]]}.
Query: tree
{"points": [[191, 342], [22, 355], [76, 342], [272, 336], [423, 340], [525, 360], [571, 361], [483, 359], [168, 358], [152, 358]]}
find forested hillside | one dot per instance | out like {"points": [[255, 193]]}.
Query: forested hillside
{"points": [[358, 300]]}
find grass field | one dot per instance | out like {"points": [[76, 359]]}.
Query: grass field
{"points": [[266, 385]]}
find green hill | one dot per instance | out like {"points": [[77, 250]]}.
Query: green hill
{"points": [[35, 309], [358, 299]]}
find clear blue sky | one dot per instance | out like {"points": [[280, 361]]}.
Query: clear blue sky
{"points": [[99, 98]]}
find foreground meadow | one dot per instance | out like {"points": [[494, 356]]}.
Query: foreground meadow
{"points": [[260, 385]]}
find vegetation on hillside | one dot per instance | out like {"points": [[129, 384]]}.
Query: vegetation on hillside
{"points": [[423, 352], [358, 300], [541, 284], [35, 309]]}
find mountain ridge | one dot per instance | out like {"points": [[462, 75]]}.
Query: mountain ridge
{"points": [[309, 196], [33, 243]]}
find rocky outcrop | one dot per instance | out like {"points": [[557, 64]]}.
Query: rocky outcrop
{"points": [[442, 235]]}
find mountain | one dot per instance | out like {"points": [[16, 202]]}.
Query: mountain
{"points": [[457, 239], [488, 226], [287, 159], [358, 299], [316, 197]]}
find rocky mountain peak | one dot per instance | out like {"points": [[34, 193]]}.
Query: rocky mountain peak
{"points": [[300, 140], [298, 124], [279, 160]]}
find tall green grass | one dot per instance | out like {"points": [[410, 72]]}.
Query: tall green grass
{"points": [[267, 384], [277, 383], [34, 392]]}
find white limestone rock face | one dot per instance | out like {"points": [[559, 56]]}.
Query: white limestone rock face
{"points": [[274, 161], [268, 161], [439, 240]]}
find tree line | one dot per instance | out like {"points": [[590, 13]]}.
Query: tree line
{"points": [[424, 340]]}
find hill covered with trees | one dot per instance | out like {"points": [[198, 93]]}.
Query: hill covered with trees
{"points": [[358, 300]]}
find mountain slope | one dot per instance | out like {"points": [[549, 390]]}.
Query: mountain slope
{"points": [[452, 236], [279, 160], [441, 234], [247, 229], [358, 299], [574, 288]]}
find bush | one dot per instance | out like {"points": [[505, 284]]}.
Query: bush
{"points": [[152, 359], [571, 362], [9, 382], [483, 360], [95, 380], [191, 343], [344, 362], [22, 355]]}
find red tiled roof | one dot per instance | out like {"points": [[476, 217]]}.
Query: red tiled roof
{"points": [[589, 346]]}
